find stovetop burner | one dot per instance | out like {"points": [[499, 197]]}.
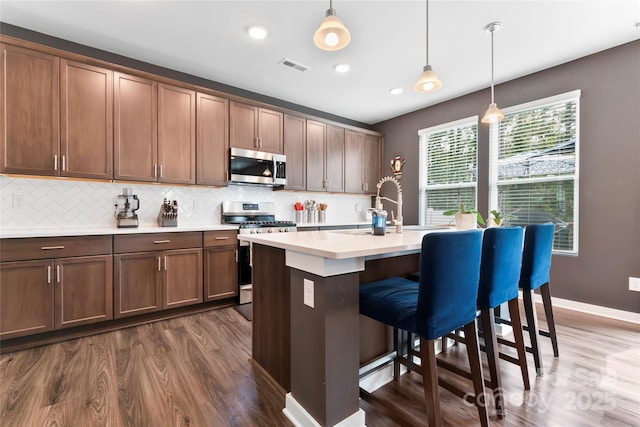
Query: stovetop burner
{"points": [[264, 224], [252, 215]]}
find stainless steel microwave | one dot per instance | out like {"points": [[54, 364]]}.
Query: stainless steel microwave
{"points": [[257, 167]]}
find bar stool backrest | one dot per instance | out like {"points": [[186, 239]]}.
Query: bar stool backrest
{"points": [[449, 274], [536, 255], [500, 265]]}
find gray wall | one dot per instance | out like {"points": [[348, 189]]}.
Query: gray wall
{"points": [[609, 193]]}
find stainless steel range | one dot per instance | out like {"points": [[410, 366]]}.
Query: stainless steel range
{"points": [[252, 218]]}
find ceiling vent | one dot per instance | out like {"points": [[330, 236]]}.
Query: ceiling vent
{"points": [[293, 64]]}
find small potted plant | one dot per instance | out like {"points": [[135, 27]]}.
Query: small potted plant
{"points": [[465, 218], [498, 218]]}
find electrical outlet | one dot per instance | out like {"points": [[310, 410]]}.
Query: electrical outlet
{"points": [[17, 201], [308, 293], [634, 284]]}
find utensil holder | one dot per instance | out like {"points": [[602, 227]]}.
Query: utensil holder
{"points": [[312, 216], [322, 217], [300, 219]]}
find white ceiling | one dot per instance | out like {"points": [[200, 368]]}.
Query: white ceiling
{"points": [[387, 49]]}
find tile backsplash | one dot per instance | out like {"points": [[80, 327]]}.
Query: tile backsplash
{"points": [[63, 203]]}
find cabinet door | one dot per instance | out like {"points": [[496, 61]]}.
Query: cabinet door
{"points": [[243, 126], [176, 135], [29, 112], [295, 147], [182, 277], [86, 116], [212, 140], [26, 298], [316, 139], [135, 128], [220, 273], [353, 174], [372, 162], [83, 290], [270, 131], [137, 283], [334, 161]]}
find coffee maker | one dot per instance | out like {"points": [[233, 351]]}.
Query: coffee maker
{"points": [[126, 208]]}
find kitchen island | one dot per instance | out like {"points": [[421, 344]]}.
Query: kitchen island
{"points": [[308, 334]]}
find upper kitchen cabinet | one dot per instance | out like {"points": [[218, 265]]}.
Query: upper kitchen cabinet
{"points": [[135, 128], [86, 118], [176, 135], [29, 112], [212, 139], [362, 154], [295, 148], [255, 128], [154, 131], [325, 157]]}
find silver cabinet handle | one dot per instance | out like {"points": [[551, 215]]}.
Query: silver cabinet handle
{"points": [[165, 263], [64, 167], [161, 241], [160, 171], [158, 263], [155, 170], [55, 162], [236, 255], [48, 274], [58, 273], [222, 237], [48, 248]]}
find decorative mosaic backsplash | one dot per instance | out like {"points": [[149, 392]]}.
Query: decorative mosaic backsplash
{"points": [[63, 203]]}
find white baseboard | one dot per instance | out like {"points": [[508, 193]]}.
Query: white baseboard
{"points": [[597, 310]]}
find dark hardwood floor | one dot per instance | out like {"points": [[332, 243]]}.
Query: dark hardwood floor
{"points": [[195, 371]]}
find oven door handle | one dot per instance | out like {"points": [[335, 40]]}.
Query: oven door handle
{"points": [[250, 254]]}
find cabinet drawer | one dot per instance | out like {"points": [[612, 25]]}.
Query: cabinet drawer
{"points": [[220, 238], [156, 242], [54, 247]]}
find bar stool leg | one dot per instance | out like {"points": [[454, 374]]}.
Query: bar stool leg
{"points": [[491, 346], [397, 346], [473, 350], [430, 380], [548, 311], [516, 322], [532, 324]]}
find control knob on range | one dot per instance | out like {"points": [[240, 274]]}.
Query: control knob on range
{"points": [[270, 230]]}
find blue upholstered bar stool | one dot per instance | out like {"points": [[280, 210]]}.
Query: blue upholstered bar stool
{"points": [[536, 265], [443, 300], [499, 278]]}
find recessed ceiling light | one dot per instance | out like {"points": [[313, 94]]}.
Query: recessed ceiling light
{"points": [[257, 32], [341, 68], [395, 91]]}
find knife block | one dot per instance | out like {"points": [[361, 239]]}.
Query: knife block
{"points": [[167, 219]]}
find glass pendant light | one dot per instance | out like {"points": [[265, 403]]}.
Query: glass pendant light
{"points": [[331, 34], [493, 114], [428, 81]]}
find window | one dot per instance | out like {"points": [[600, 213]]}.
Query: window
{"points": [[533, 167], [448, 169]]}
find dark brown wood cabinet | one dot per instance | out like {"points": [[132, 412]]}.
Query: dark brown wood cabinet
{"points": [[156, 271], [295, 149], [220, 265], [29, 112], [255, 128], [45, 284], [135, 145], [212, 140], [86, 118], [176, 134], [362, 154], [334, 159]]}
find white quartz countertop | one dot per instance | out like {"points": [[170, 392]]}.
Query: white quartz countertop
{"points": [[303, 225], [94, 231], [342, 244]]}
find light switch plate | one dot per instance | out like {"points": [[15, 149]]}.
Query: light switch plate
{"points": [[634, 284], [308, 292]]}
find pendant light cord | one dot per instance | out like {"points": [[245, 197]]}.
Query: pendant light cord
{"points": [[492, 31], [427, 32]]}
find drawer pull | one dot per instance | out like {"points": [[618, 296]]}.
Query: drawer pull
{"points": [[48, 274], [48, 248], [161, 241], [222, 237], [158, 263], [58, 273]]}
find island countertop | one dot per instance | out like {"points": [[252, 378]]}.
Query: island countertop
{"points": [[343, 244]]}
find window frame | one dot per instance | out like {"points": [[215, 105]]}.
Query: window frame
{"points": [[494, 144]]}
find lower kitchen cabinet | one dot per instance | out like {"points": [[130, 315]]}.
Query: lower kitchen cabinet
{"points": [[42, 289], [220, 265], [147, 281]]}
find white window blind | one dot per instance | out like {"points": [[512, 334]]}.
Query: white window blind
{"points": [[534, 166], [448, 169]]}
